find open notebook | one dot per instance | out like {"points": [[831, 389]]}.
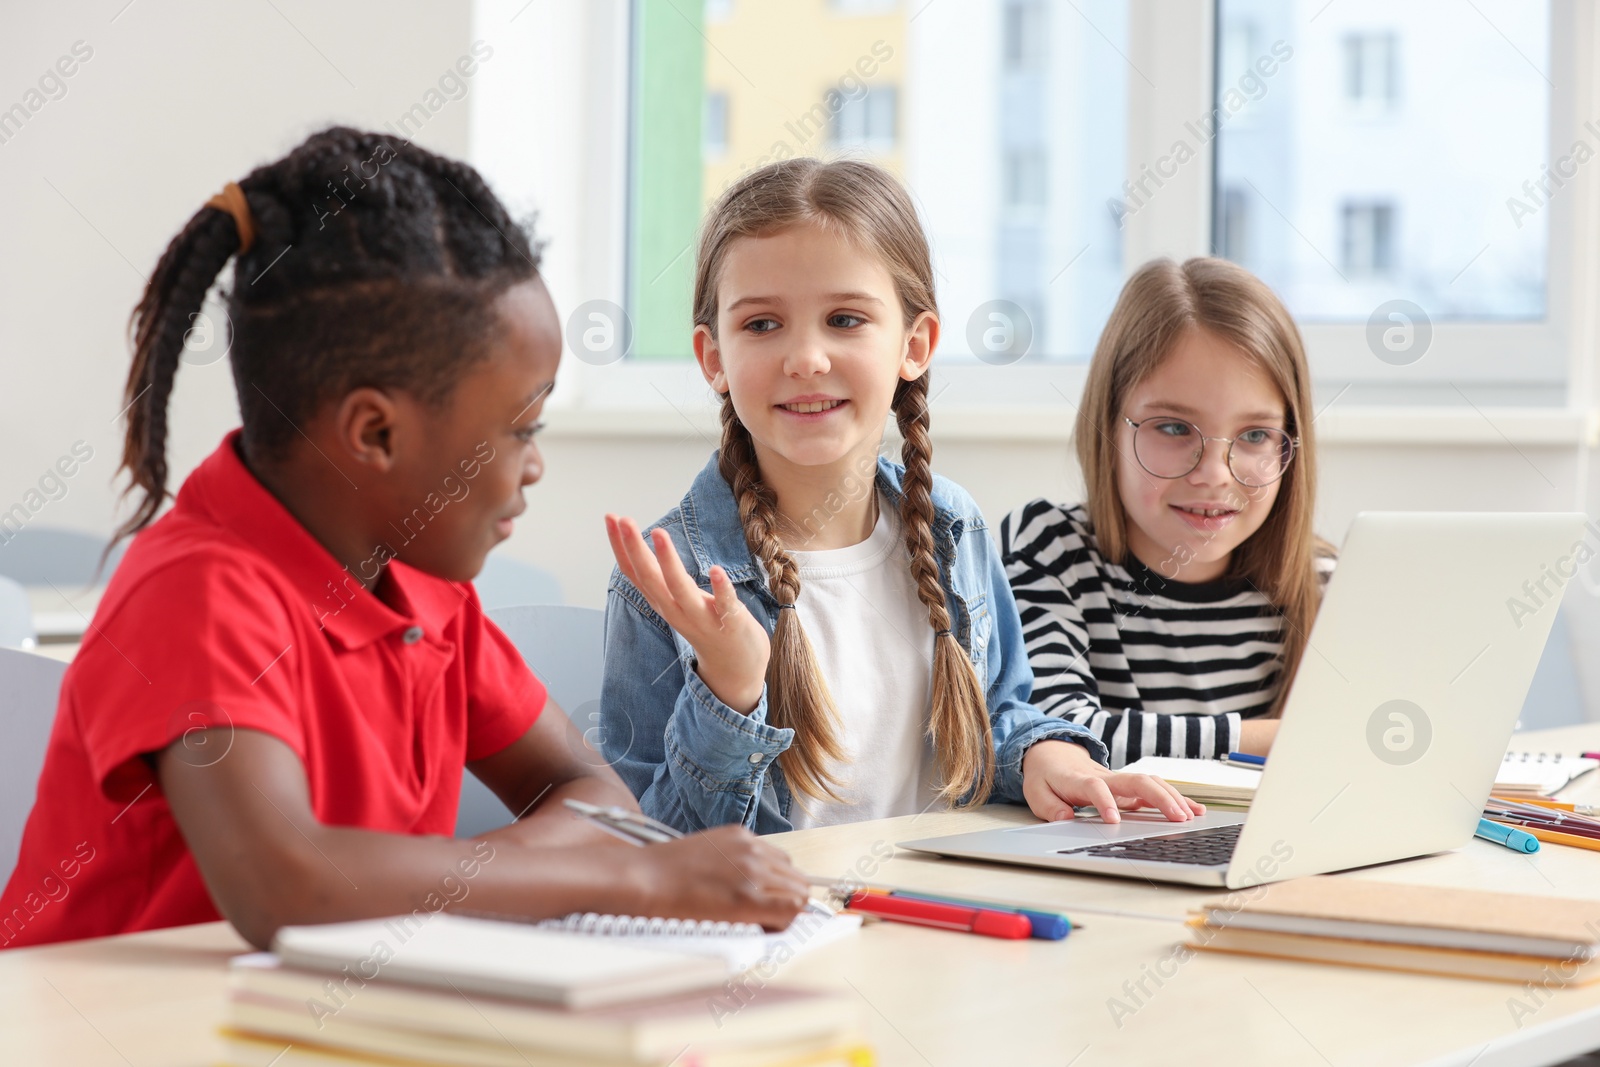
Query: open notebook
{"points": [[1521, 774], [580, 961], [742, 945], [1538, 773]]}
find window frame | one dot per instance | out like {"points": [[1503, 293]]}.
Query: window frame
{"points": [[1178, 40]]}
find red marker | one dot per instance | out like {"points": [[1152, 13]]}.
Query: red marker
{"points": [[1009, 925]]}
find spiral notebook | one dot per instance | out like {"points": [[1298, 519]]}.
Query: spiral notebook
{"points": [[742, 945], [1538, 773], [501, 959]]}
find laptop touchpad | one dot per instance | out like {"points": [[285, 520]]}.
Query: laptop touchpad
{"points": [[1092, 830], [1089, 830]]}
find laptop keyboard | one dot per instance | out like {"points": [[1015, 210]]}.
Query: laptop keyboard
{"points": [[1211, 847]]}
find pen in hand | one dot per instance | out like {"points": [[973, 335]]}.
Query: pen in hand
{"points": [[637, 828]]}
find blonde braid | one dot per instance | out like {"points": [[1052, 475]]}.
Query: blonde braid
{"points": [[963, 742], [797, 694]]}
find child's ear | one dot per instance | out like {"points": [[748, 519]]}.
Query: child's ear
{"points": [[921, 340], [363, 426], [709, 356]]}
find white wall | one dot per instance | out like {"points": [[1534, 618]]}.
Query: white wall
{"points": [[177, 98]]}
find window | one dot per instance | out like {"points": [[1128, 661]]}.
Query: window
{"points": [[1368, 239], [1013, 164], [715, 128], [1394, 154], [1233, 224], [1371, 76], [1024, 35], [866, 119], [1025, 178], [1351, 154], [863, 7], [1445, 163]]}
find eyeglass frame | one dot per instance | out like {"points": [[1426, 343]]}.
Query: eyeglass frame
{"points": [[1200, 453]]}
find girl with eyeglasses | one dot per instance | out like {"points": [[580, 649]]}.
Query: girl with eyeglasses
{"points": [[1167, 610]]}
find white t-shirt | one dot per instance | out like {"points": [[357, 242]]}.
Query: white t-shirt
{"points": [[874, 646]]}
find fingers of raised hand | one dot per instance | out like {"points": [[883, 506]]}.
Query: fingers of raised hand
{"points": [[684, 591], [729, 609], [638, 563]]}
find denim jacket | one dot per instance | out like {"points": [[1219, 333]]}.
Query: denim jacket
{"points": [[694, 762]]}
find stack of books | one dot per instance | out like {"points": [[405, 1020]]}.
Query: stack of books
{"points": [[437, 989], [1464, 933], [1220, 784]]}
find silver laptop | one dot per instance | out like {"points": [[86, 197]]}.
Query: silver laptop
{"points": [[1395, 725]]}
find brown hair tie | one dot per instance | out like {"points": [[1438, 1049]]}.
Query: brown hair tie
{"points": [[232, 200]]}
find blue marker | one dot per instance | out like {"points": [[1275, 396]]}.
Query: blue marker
{"points": [[1247, 759], [1512, 838]]}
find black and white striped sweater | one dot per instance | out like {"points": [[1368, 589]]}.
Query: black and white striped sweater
{"points": [[1154, 667]]}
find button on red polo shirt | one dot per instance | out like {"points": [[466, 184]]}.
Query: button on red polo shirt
{"points": [[226, 613]]}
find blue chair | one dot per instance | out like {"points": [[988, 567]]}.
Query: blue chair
{"points": [[31, 685], [50, 555], [507, 582], [16, 616], [564, 646]]}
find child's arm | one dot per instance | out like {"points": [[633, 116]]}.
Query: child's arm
{"points": [[542, 768], [1043, 761], [268, 862], [691, 756]]}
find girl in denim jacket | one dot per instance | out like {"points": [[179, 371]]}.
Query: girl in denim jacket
{"points": [[817, 635]]}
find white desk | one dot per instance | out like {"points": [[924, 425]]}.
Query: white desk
{"points": [[955, 1000]]}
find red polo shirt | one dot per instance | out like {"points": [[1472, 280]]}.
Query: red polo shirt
{"points": [[228, 614]]}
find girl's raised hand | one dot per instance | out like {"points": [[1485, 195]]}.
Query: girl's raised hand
{"points": [[1059, 775], [731, 648]]}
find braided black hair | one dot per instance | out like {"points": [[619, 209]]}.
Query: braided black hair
{"points": [[374, 263]]}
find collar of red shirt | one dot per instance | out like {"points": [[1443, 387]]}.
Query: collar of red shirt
{"points": [[224, 491]]}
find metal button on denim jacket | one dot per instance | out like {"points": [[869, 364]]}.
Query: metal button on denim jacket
{"points": [[694, 762]]}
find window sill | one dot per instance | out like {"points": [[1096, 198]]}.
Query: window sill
{"points": [[1419, 426]]}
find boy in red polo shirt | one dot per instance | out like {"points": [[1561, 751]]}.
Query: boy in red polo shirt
{"points": [[270, 715]]}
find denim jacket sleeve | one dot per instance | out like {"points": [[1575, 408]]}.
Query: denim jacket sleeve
{"points": [[692, 761], [1016, 723]]}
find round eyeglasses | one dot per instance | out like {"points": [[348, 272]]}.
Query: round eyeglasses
{"points": [[1172, 448]]}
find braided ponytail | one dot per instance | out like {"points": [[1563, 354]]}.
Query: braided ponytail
{"points": [[371, 263], [159, 325], [963, 742], [797, 695]]}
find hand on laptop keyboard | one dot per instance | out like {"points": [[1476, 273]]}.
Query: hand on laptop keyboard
{"points": [[1058, 775]]}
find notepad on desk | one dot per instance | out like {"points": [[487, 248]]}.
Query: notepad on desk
{"points": [[451, 990], [742, 945], [271, 1005], [1538, 774], [496, 958]]}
